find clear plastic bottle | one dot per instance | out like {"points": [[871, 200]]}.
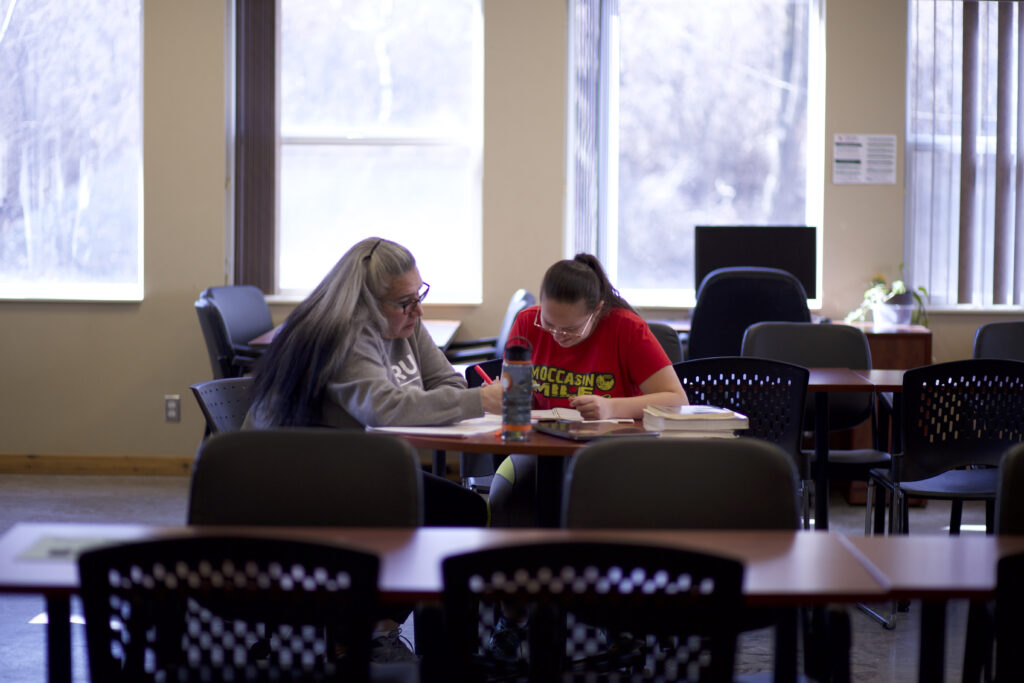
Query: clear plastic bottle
{"points": [[517, 390]]}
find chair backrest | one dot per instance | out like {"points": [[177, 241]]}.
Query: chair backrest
{"points": [[1009, 627], [669, 340], [1010, 494], [224, 402], [491, 367], [306, 477], [772, 395], [681, 483], [216, 339], [189, 608], [520, 300], [815, 345], [589, 596], [231, 316], [731, 299], [1000, 340], [965, 412]]}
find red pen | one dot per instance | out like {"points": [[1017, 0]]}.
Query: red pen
{"points": [[483, 375]]}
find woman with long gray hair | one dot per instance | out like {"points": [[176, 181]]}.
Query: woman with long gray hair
{"points": [[355, 354]]}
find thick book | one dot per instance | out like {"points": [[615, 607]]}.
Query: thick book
{"points": [[693, 419]]}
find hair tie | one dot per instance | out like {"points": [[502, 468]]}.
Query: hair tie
{"points": [[372, 249]]}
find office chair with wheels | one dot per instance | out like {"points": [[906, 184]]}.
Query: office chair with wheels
{"points": [[230, 317], [581, 600], [224, 402], [959, 418], [1000, 340], [682, 483], [487, 348], [306, 477], [770, 393], [195, 608], [731, 299]]}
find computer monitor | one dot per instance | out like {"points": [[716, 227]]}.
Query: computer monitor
{"points": [[790, 248]]}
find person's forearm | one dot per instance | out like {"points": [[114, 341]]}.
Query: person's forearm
{"points": [[634, 406]]}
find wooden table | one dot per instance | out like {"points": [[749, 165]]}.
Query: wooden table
{"points": [[441, 331], [782, 568], [934, 569]]}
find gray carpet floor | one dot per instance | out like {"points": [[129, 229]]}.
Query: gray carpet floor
{"points": [[877, 654]]}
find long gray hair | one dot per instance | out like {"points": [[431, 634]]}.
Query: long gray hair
{"points": [[292, 376]]}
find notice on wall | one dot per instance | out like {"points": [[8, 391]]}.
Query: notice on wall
{"points": [[864, 160]]}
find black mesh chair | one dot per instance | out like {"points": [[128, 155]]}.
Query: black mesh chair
{"points": [[679, 483], [196, 608], [731, 299], [678, 608], [487, 348], [230, 317], [959, 418], [1000, 340], [306, 477], [772, 395], [224, 402]]}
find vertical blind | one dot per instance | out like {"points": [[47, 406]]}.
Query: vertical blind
{"points": [[585, 123], [965, 157]]}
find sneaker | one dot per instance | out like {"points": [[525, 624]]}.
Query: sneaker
{"points": [[506, 641], [392, 646]]}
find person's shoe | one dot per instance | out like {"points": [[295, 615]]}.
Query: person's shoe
{"points": [[506, 641], [392, 646]]}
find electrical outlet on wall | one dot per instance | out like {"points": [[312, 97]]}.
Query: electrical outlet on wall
{"points": [[172, 408]]}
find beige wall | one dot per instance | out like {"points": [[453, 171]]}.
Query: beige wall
{"points": [[88, 379]]}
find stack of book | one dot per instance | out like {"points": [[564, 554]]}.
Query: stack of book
{"points": [[694, 421]]}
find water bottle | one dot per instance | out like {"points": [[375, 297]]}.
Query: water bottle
{"points": [[516, 390]]}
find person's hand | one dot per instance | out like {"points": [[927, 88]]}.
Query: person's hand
{"points": [[490, 397], [593, 407]]}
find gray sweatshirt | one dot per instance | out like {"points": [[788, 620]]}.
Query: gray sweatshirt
{"points": [[393, 382], [398, 382]]}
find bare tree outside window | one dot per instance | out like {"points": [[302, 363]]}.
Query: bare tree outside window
{"points": [[70, 149], [381, 115], [713, 115]]}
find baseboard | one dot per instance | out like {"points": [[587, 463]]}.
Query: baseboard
{"points": [[158, 465]]}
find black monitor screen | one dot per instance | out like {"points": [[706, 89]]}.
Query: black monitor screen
{"points": [[792, 248]]}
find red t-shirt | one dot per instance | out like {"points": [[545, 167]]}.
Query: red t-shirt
{"points": [[619, 355]]}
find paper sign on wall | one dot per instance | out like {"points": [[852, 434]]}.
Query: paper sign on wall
{"points": [[864, 160]]}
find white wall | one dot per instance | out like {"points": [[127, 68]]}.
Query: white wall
{"points": [[81, 379]]}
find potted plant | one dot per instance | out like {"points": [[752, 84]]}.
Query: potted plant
{"points": [[892, 303]]}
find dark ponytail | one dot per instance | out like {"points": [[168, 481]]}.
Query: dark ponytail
{"points": [[581, 278]]}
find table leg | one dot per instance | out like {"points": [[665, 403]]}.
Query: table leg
{"points": [[550, 475], [58, 638], [440, 465], [821, 461], [932, 656]]}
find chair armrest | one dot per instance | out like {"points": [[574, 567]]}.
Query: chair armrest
{"points": [[473, 350]]}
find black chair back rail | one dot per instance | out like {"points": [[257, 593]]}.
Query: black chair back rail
{"points": [[193, 609], [678, 608]]}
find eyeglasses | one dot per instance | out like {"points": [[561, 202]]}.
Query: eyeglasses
{"points": [[418, 299], [564, 333]]}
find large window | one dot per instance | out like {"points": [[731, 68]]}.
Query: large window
{"points": [[70, 149], [965, 149], [710, 115], [380, 133]]}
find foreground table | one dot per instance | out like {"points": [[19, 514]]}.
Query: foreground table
{"points": [[782, 568]]}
